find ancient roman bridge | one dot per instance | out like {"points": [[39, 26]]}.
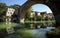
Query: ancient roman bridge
{"points": [[52, 4]]}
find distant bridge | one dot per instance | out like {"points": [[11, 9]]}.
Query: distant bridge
{"points": [[54, 5]]}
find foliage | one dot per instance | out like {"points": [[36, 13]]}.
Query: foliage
{"points": [[24, 33], [3, 33], [3, 9], [54, 33], [27, 17], [29, 10], [15, 6], [3, 25]]}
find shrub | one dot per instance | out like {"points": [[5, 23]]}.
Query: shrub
{"points": [[24, 33], [54, 33]]}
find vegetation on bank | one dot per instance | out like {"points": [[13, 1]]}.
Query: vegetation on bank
{"points": [[3, 27], [54, 33], [39, 21], [3, 10], [24, 33]]}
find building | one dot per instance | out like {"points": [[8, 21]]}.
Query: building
{"points": [[32, 14], [39, 16], [50, 16], [10, 12], [12, 15], [15, 16]]}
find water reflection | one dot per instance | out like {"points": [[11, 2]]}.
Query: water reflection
{"points": [[40, 25], [38, 29]]}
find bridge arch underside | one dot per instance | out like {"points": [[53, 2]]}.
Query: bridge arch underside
{"points": [[51, 5]]}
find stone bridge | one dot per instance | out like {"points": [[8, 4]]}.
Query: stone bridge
{"points": [[54, 5]]}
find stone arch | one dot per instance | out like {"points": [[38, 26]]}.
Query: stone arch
{"points": [[29, 3]]}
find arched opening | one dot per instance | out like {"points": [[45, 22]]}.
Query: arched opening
{"points": [[49, 3], [39, 15], [28, 4]]}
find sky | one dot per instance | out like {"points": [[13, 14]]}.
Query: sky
{"points": [[41, 8], [36, 7]]}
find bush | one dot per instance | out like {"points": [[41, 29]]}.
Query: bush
{"points": [[3, 33], [24, 33], [54, 33]]}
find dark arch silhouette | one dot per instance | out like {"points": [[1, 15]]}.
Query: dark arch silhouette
{"points": [[52, 4]]}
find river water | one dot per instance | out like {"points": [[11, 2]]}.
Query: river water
{"points": [[41, 33], [37, 33]]}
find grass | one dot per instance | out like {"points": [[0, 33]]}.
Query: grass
{"points": [[39, 21], [3, 25], [26, 33]]}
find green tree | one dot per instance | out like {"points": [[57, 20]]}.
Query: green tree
{"points": [[15, 6], [3, 9], [29, 10], [28, 13]]}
